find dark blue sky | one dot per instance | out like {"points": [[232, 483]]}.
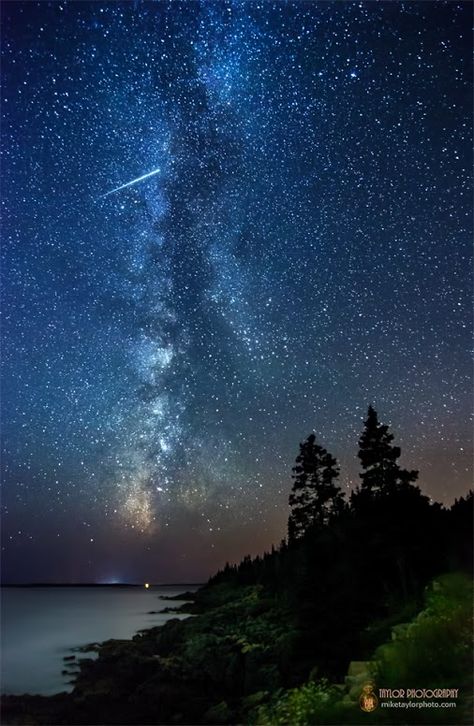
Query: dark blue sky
{"points": [[303, 251]]}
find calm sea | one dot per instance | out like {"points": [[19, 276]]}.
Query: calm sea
{"points": [[40, 625]]}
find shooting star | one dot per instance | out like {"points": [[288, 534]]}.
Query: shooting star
{"points": [[129, 184]]}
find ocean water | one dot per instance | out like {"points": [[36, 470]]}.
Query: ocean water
{"points": [[41, 625]]}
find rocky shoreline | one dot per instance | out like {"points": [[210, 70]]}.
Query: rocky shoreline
{"points": [[240, 659], [179, 672]]}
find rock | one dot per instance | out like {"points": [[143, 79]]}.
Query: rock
{"points": [[358, 666], [218, 714], [360, 672], [181, 596], [400, 631], [88, 648], [355, 692], [255, 699]]}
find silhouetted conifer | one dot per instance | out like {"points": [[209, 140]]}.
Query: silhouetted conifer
{"points": [[381, 472], [314, 495]]}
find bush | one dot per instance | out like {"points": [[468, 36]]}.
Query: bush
{"points": [[310, 704], [435, 649]]}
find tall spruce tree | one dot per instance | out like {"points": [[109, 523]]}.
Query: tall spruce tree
{"points": [[381, 472], [314, 496]]}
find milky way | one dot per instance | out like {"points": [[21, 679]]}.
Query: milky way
{"points": [[226, 224]]}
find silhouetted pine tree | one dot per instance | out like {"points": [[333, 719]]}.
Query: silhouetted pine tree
{"points": [[314, 495], [460, 533], [382, 474]]}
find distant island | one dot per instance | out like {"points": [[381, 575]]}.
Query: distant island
{"points": [[99, 584]]}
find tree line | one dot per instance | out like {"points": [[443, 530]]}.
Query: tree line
{"points": [[349, 567]]}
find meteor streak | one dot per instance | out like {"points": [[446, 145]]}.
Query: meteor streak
{"points": [[134, 181]]}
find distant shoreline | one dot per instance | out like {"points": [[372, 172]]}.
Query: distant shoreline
{"points": [[103, 584]]}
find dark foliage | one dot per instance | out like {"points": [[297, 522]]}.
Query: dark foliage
{"points": [[314, 496], [381, 473], [348, 566]]}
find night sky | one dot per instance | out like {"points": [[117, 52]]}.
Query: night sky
{"points": [[301, 252]]}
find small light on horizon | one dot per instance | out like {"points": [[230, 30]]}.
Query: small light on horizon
{"points": [[147, 585]]}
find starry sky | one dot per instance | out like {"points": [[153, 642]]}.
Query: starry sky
{"points": [[301, 250]]}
